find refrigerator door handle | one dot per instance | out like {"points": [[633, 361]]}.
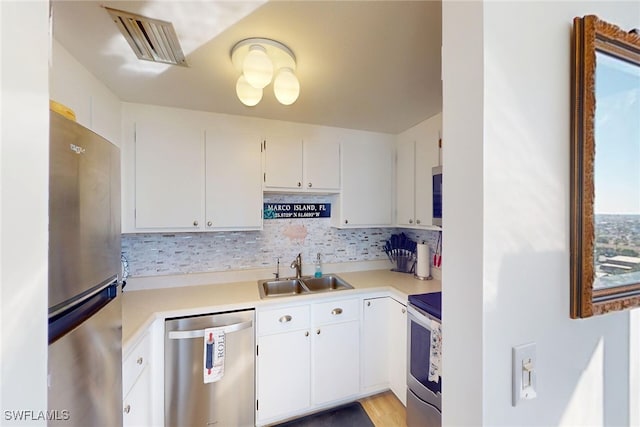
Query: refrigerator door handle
{"points": [[109, 282], [199, 333]]}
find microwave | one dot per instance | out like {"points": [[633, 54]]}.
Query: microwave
{"points": [[436, 173]]}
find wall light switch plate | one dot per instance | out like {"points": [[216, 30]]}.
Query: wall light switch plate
{"points": [[524, 366]]}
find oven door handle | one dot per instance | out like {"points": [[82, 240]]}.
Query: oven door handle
{"points": [[421, 318]]}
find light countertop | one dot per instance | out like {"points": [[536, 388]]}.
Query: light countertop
{"points": [[140, 308]]}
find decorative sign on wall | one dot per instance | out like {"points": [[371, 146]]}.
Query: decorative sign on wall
{"points": [[296, 210]]}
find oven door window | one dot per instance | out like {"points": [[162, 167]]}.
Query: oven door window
{"points": [[419, 360]]}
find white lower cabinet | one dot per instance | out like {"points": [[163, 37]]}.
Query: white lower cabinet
{"points": [[137, 403], [398, 349], [336, 351], [384, 346], [307, 357], [375, 345], [283, 362], [136, 385]]}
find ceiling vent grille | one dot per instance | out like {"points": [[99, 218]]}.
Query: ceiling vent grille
{"points": [[151, 39]]}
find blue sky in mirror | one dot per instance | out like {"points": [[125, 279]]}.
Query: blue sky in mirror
{"points": [[617, 134]]}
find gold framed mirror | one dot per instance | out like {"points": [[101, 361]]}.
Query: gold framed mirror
{"points": [[605, 168]]}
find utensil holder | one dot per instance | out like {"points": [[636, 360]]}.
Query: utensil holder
{"points": [[405, 263]]}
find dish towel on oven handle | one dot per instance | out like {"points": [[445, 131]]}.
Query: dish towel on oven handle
{"points": [[214, 353], [435, 352]]}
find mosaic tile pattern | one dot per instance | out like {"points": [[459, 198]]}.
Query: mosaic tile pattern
{"points": [[155, 254]]}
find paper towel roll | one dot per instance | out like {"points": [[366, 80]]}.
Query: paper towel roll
{"points": [[423, 262]]}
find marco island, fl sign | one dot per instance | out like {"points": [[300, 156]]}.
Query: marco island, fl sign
{"points": [[296, 210]]}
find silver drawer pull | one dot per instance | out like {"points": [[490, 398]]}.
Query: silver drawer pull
{"points": [[285, 319], [336, 311], [127, 409], [139, 361]]}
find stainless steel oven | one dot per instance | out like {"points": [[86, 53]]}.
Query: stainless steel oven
{"points": [[424, 397]]}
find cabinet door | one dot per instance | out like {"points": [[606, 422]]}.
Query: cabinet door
{"points": [[336, 361], [426, 159], [321, 164], [169, 174], [367, 176], [233, 181], [137, 403], [405, 183], [398, 349], [284, 370], [283, 162], [375, 344]]}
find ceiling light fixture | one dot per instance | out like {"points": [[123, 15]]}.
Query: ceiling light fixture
{"points": [[258, 60]]}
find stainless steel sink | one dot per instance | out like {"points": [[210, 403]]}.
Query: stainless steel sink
{"points": [[278, 288], [289, 287], [329, 282]]}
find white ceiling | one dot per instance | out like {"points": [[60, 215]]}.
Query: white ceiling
{"points": [[370, 65]]}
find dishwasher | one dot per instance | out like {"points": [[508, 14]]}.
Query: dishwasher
{"points": [[210, 370]]}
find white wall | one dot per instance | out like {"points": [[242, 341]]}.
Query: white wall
{"points": [[516, 149], [95, 105], [24, 181]]}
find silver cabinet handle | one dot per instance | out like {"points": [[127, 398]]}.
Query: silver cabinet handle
{"points": [[417, 221], [336, 311], [404, 310], [139, 361], [410, 221], [210, 223], [306, 334], [346, 221], [199, 333], [310, 185], [127, 409], [195, 223], [368, 303], [318, 332], [299, 184], [285, 319]]}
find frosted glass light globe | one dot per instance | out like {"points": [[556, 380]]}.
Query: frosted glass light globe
{"points": [[286, 86], [247, 94], [257, 67]]}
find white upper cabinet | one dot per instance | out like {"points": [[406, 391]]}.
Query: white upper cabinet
{"points": [[169, 173], [282, 163], [296, 164], [321, 164], [405, 183], [233, 180], [417, 152], [188, 171], [367, 181]]}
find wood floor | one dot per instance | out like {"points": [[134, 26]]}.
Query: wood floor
{"points": [[385, 410]]}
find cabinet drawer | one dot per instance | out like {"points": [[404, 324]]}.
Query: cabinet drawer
{"points": [[283, 319], [335, 311], [135, 363]]}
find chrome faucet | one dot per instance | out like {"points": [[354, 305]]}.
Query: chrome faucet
{"points": [[297, 264]]}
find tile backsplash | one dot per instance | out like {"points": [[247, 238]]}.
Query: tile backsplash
{"points": [[153, 254]]}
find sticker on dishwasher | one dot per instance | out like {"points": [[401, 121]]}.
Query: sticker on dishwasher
{"points": [[214, 353]]}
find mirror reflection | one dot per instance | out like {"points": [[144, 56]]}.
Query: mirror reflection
{"points": [[617, 172]]}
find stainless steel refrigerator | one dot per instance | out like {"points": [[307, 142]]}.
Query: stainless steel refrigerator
{"points": [[85, 318]]}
